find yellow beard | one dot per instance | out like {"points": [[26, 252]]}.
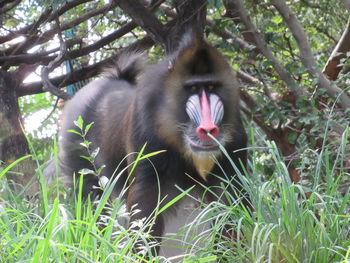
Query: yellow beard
{"points": [[203, 165]]}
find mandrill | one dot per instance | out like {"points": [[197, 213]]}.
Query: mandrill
{"points": [[176, 106]]}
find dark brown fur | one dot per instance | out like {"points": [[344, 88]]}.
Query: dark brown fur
{"points": [[126, 116]]}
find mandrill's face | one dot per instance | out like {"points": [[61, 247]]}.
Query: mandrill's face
{"points": [[205, 111], [200, 103]]}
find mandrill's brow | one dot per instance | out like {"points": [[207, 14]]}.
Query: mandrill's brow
{"points": [[202, 82]]}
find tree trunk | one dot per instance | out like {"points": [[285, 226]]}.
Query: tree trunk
{"points": [[13, 143]]}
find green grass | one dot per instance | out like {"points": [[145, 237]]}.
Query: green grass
{"points": [[291, 222]]}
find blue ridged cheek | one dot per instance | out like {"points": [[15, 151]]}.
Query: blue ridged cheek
{"points": [[193, 109], [217, 108]]}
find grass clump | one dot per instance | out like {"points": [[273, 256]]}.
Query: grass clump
{"points": [[290, 222]]}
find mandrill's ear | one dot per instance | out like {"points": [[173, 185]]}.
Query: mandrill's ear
{"points": [[193, 55]]}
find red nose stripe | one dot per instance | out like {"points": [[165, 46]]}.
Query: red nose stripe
{"points": [[206, 126]]}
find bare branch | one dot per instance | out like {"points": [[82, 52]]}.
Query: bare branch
{"points": [[81, 74], [223, 33], [29, 58], [264, 48], [48, 86], [67, 79], [326, 33], [21, 32], [5, 2], [103, 41], [144, 18], [44, 59], [67, 6], [49, 17], [308, 4], [10, 6], [32, 29], [247, 78], [41, 57], [23, 71], [231, 12], [52, 111], [332, 67], [190, 15], [33, 40], [306, 55]]}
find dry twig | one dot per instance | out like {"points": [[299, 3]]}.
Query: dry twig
{"points": [[47, 85]]}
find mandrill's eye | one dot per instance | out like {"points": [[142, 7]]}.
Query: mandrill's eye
{"points": [[191, 88], [211, 88]]}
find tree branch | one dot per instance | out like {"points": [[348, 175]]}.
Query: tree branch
{"points": [[264, 48], [41, 57], [44, 59], [13, 34], [306, 55], [65, 7], [30, 30], [231, 12], [190, 15], [223, 33], [63, 80], [103, 41], [308, 4], [144, 18], [89, 71], [5, 2], [10, 6], [24, 31], [47, 85], [82, 74], [33, 40], [332, 67]]}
